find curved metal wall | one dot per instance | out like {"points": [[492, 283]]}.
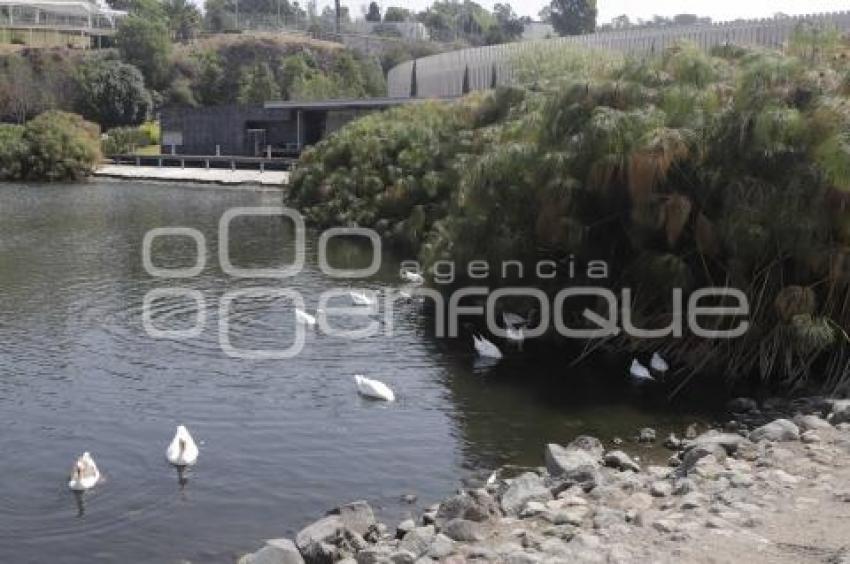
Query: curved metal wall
{"points": [[442, 75]]}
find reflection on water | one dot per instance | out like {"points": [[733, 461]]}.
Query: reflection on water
{"points": [[281, 440]]}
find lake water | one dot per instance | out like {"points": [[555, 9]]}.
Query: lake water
{"points": [[281, 441]]}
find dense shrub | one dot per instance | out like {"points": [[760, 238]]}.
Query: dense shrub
{"points": [[124, 140], [12, 151], [684, 172], [60, 146]]}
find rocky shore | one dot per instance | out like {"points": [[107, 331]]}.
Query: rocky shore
{"points": [[770, 485]]}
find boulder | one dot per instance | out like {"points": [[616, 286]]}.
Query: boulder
{"points": [[811, 423], [672, 442], [404, 527], [357, 516], [621, 461], [276, 551], [839, 411], [328, 540], [463, 530], [777, 430], [418, 540], [522, 489], [440, 547], [589, 444], [730, 442], [475, 506], [576, 464], [646, 435], [660, 489]]}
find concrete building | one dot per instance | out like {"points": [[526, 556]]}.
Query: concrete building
{"points": [[276, 129]]}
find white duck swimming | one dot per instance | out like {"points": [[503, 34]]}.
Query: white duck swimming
{"points": [[361, 298], [305, 318], [412, 277], [639, 372], [658, 364], [485, 348], [182, 451], [84, 474], [373, 389]]}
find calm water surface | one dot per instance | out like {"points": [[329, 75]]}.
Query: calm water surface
{"points": [[281, 440]]}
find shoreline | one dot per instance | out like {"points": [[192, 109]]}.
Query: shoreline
{"points": [[770, 485], [269, 180]]}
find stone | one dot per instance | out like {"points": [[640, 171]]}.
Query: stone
{"points": [[665, 525], [740, 480], [811, 423], [638, 501], [476, 506], [330, 539], [777, 430], [607, 517], [646, 435], [672, 442], [441, 546], [462, 530], [402, 557], [674, 461], [810, 437], [839, 411], [620, 460], [418, 540], [730, 442], [409, 498], [742, 405], [573, 515], [589, 444], [691, 431], [683, 486], [357, 516], [276, 551], [522, 489], [404, 527], [693, 500], [571, 463], [660, 489], [534, 508], [523, 558], [617, 441]]}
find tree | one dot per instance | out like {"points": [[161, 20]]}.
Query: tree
{"points": [[396, 14], [685, 19], [508, 26], [184, 19], [62, 146], [374, 13], [258, 85], [144, 42], [216, 15], [573, 17], [621, 22], [112, 93]]}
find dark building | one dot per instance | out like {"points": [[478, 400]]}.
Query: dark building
{"points": [[276, 129]]}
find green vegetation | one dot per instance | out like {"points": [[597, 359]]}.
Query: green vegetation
{"points": [[690, 171], [112, 93], [126, 140], [53, 146]]}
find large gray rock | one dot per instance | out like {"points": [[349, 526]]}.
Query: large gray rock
{"points": [[524, 488], [811, 423], [418, 540], [328, 540], [476, 505], [730, 442], [276, 551], [777, 430], [621, 461], [357, 516], [591, 445], [575, 464], [463, 530], [840, 411]]}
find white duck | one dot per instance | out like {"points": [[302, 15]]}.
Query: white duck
{"points": [[412, 277], [373, 389], [182, 451], [639, 372], [309, 320], [361, 298], [515, 335], [485, 348], [658, 364], [84, 474]]}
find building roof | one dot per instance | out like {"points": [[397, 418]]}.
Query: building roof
{"points": [[343, 104]]}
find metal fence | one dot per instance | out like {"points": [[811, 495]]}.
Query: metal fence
{"points": [[443, 75]]}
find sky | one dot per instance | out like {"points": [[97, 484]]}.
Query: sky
{"points": [[718, 10]]}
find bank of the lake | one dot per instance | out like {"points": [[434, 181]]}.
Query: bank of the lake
{"points": [[760, 490], [272, 179]]}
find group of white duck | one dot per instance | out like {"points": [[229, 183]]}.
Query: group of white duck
{"points": [[181, 452]]}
